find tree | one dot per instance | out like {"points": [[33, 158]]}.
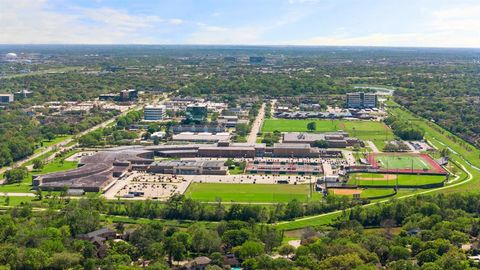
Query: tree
{"points": [[15, 175], [64, 260], [39, 194], [286, 250], [38, 164], [320, 144], [250, 249], [34, 258], [156, 251], [429, 255], [205, 241], [50, 136], [175, 249], [312, 126], [242, 129]]}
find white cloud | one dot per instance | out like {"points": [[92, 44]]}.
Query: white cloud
{"points": [[33, 21], [457, 26], [302, 1], [209, 34], [176, 21], [439, 39]]}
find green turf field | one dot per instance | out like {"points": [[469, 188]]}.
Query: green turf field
{"points": [[374, 131], [262, 193], [376, 179], [398, 161]]}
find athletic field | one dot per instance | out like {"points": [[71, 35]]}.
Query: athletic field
{"points": [[261, 193], [390, 180], [374, 131], [364, 193], [405, 163]]}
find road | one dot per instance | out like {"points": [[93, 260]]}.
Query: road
{"points": [[272, 110], [257, 124]]}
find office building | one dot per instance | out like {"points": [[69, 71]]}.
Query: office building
{"points": [[361, 100], [6, 98], [154, 112], [128, 95], [197, 112]]}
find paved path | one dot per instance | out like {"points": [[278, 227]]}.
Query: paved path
{"points": [[257, 124], [372, 146]]}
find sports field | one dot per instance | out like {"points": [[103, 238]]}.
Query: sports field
{"points": [[404, 162], [262, 193], [374, 131], [364, 193], [390, 180]]}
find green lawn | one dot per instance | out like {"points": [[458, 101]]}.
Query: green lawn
{"points": [[398, 161], [374, 131], [262, 193], [375, 179], [47, 143], [376, 192], [15, 200]]}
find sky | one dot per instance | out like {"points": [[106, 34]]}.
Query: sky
{"points": [[419, 23]]}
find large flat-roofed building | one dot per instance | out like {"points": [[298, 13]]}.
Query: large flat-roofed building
{"points": [[6, 98], [362, 100], [232, 150], [154, 112], [197, 112], [189, 167], [294, 150], [333, 139], [301, 167], [198, 128], [97, 171], [201, 137], [230, 121]]}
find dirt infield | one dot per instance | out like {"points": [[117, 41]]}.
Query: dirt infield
{"points": [[345, 191], [385, 177]]}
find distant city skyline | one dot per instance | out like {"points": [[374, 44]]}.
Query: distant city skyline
{"points": [[421, 23]]}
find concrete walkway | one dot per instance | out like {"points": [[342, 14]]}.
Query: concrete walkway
{"points": [[372, 146]]}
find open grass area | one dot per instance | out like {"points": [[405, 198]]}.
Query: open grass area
{"points": [[374, 131], [15, 200], [47, 143], [390, 180], [255, 193]]}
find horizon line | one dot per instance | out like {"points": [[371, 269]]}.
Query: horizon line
{"points": [[236, 45]]}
